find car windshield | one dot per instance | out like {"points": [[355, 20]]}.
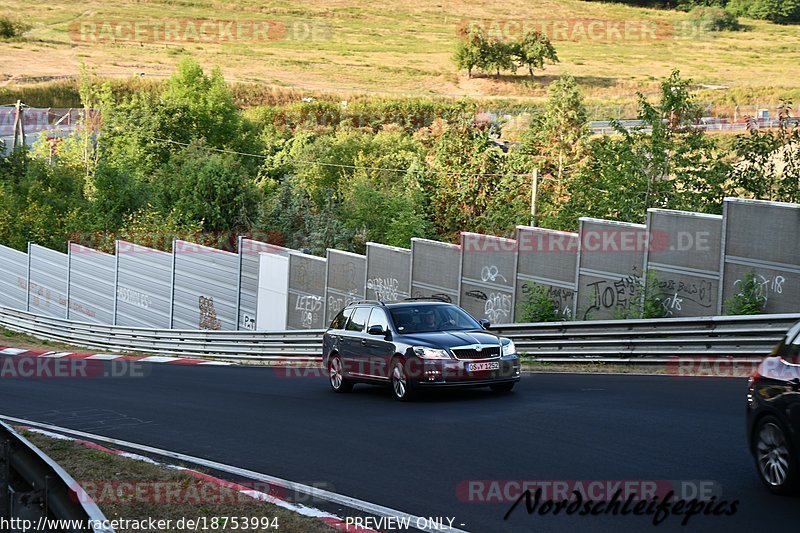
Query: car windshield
{"points": [[424, 318]]}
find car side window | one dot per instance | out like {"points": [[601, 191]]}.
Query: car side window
{"points": [[378, 318], [341, 318], [358, 319]]}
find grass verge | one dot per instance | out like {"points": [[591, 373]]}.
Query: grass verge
{"points": [[99, 472]]}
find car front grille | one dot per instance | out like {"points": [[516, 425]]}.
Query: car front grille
{"points": [[473, 353]]}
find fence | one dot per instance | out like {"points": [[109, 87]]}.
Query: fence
{"points": [[697, 264]]}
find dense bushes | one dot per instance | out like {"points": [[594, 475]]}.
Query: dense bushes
{"points": [[12, 29], [185, 161], [779, 11], [714, 19]]}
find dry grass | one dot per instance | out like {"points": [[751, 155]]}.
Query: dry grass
{"points": [[94, 469], [404, 47]]}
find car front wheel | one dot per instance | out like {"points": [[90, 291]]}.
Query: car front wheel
{"points": [[336, 375], [401, 387], [777, 466]]}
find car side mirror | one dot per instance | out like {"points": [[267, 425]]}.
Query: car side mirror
{"points": [[485, 323], [376, 330]]}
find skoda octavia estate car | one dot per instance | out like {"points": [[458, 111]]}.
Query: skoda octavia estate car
{"points": [[773, 416], [414, 344]]}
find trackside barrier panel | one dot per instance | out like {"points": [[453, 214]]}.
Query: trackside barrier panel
{"points": [[763, 239], [249, 270], [47, 285], [488, 272], [546, 258], [345, 281], [306, 302], [683, 256], [388, 272], [205, 294], [13, 278], [435, 270], [92, 276], [610, 268], [144, 286]]}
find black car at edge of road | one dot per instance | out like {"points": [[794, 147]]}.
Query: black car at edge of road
{"points": [[416, 344], [773, 416]]}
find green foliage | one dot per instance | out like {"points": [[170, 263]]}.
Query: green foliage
{"points": [[539, 305], [558, 142], [492, 54], [11, 29], [769, 161], [664, 163], [714, 19], [779, 11], [750, 300], [470, 50], [201, 187], [533, 50]]}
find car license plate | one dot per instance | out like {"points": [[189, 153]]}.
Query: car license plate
{"points": [[478, 367]]}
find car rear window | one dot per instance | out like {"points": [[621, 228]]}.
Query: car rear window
{"points": [[358, 319]]}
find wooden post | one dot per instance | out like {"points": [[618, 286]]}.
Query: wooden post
{"points": [[534, 193]]}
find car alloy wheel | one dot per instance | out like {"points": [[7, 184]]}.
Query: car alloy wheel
{"points": [[400, 385], [336, 375], [775, 463]]}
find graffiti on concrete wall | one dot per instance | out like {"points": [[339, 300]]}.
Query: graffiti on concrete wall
{"points": [[208, 315]]}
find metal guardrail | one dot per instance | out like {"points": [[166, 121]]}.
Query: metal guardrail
{"points": [[242, 345], [744, 337], [34, 488]]}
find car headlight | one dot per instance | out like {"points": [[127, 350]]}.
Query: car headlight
{"points": [[508, 347], [424, 352]]}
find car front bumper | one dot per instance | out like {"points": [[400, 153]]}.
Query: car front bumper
{"points": [[458, 373]]}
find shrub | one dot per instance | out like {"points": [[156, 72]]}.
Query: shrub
{"points": [[714, 19], [750, 300], [539, 306], [12, 29]]}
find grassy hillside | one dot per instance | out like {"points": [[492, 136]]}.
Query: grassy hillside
{"points": [[405, 46]]}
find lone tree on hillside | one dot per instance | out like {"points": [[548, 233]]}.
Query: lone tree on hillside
{"points": [[533, 50]]}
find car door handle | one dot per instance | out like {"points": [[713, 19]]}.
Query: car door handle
{"points": [[363, 342]]}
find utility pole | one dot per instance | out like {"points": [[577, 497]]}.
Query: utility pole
{"points": [[534, 194], [19, 125]]}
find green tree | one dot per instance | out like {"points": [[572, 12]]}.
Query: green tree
{"points": [[470, 49], [202, 187], [664, 162], [558, 142], [768, 165], [533, 50]]}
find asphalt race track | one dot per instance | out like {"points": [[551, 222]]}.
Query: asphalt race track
{"points": [[413, 457]]}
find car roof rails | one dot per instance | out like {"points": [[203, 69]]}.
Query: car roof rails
{"points": [[426, 298], [360, 302]]}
